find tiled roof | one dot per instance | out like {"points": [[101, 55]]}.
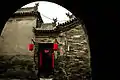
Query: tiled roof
{"points": [[46, 26], [67, 25], [28, 11]]}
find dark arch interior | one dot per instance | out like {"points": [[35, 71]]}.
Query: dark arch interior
{"points": [[86, 11]]}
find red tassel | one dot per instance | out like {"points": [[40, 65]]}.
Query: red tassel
{"points": [[30, 47], [40, 59], [52, 60], [55, 46]]}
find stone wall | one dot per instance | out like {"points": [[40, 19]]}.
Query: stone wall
{"points": [[16, 61], [75, 63], [13, 67], [16, 36]]}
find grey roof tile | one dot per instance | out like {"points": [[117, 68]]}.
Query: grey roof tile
{"points": [[46, 26]]}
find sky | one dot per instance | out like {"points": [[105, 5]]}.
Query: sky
{"points": [[50, 10]]}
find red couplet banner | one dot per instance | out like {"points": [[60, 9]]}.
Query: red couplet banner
{"points": [[52, 60], [40, 59]]}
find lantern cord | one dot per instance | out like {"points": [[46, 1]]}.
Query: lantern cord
{"points": [[33, 41]]}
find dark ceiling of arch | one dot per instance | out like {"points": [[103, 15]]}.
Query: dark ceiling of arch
{"points": [[85, 10]]}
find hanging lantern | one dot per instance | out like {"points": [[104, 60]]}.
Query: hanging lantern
{"points": [[30, 47], [55, 46]]}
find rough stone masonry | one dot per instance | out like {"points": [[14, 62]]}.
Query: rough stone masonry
{"points": [[75, 63]]}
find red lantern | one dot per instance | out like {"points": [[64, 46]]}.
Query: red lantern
{"points": [[55, 46], [30, 47]]}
